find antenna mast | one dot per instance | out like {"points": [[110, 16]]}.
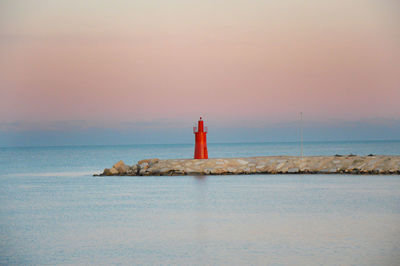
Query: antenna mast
{"points": [[301, 135]]}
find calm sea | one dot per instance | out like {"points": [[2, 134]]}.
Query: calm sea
{"points": [[52, 211]]}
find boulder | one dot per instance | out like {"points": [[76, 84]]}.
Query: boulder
{"points": [[121, 167], [113, 171], [143, 165], [106, 172], [132, 170], [143, 168], [150, 162]]}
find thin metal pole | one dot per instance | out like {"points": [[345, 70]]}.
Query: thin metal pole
{"points": [[301, 135]]}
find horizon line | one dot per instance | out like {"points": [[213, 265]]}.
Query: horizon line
{"points": [[144, 144]]}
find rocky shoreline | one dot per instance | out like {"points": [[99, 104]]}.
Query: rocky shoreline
{"points": [[338, 164]]}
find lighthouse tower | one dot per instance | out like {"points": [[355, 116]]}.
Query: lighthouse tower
{"points": [[200, 150]]}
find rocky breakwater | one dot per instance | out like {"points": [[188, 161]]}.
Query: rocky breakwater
{"points": [[350, 164]]}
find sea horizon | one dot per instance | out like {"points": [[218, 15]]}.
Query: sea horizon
{"points": [[211, 143]]}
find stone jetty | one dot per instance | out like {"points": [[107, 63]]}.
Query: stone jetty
{"points": [[338, 164]]}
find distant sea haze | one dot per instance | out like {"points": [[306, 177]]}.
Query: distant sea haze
{"points": [[172, 131]]}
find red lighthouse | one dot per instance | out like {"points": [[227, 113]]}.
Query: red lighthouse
{"points": [[200, 150]]}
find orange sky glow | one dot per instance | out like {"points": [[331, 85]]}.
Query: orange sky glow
{"points": [[225, 60]]}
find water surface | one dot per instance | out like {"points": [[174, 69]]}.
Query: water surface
{"points": [[52, 211]]}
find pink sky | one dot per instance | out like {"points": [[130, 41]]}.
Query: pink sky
{"points": [[225, 60]]}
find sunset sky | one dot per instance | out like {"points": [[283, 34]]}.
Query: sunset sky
{"points": [[144, 71]]}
